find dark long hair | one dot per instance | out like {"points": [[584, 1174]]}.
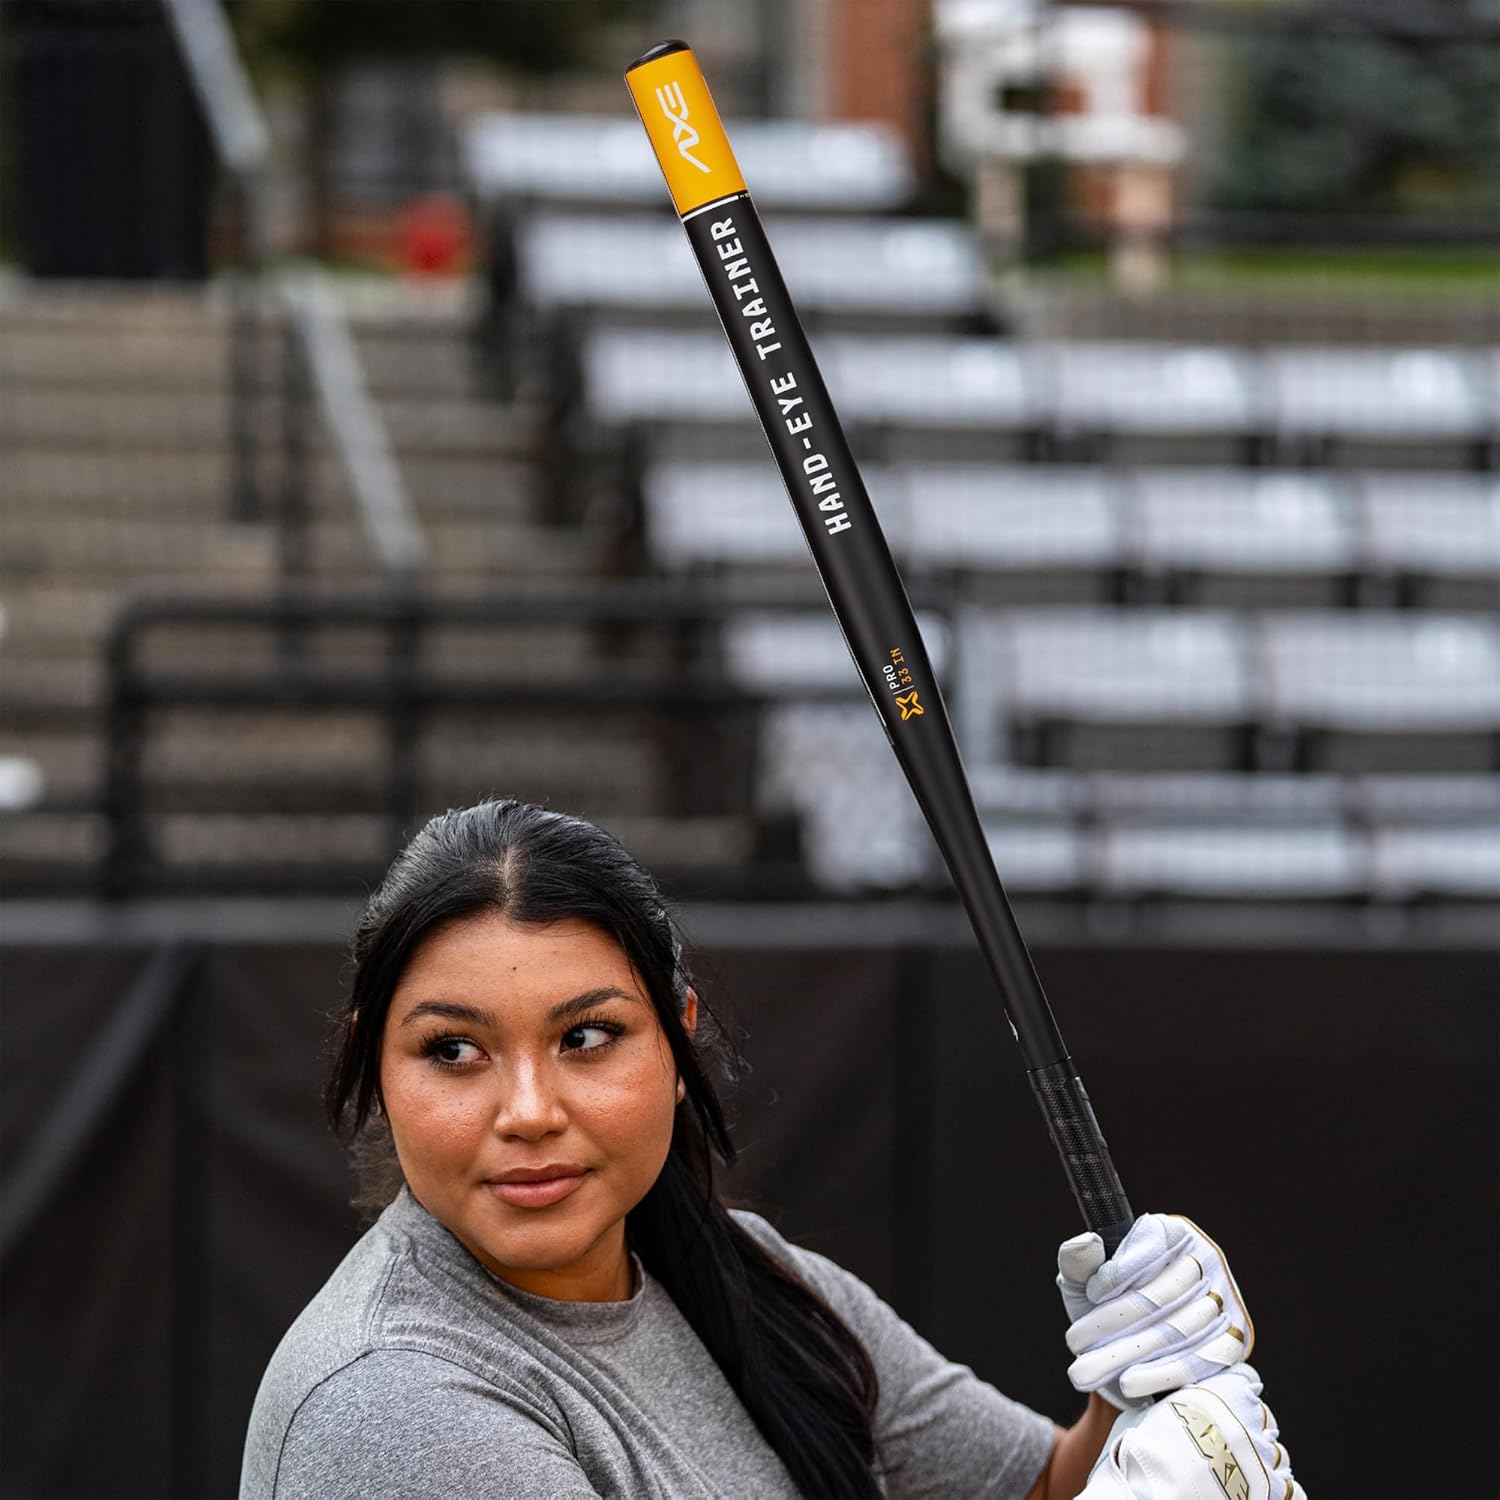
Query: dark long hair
{"points": [[803, 1376]]}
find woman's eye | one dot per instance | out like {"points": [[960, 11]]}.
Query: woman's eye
{"points": [[587, 1038], [452, 1051]]}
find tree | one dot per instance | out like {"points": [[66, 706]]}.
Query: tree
{"points": [[1352, 119]]}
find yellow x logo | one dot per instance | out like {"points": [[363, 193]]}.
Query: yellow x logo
{"points": [[910, 708]]}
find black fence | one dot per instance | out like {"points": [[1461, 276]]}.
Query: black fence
{"points": [[576, 661], [172, 1197]]}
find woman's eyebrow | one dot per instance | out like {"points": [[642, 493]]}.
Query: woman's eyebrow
{"points": [[566, 1010], [450, 1010], [474, 1015]]}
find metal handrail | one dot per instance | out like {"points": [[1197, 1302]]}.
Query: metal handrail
{"points": [[234, 116], [399, 690], [243, 146], [337, 376]]}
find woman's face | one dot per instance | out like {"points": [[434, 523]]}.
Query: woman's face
{"points": [[531, 1091]]}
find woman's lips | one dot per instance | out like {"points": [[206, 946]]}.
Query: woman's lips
{"points": [[539, 1193]]}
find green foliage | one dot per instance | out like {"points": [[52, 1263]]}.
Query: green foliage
{"points": [[1357, 122]]}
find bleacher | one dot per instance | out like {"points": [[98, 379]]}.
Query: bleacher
{"points": [[1220, 616], [1216, 619]]}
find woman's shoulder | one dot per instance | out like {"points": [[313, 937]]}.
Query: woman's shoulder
{"points": [[838, 1286], [405, 1287]]}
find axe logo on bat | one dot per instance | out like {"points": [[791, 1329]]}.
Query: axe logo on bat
{"points": [[910, 708], [674, 107]]}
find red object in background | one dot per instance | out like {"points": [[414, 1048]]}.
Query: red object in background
{"points": [[432, 236]]}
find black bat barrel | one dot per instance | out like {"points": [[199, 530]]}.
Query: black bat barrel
{"points": [[869, 601]]}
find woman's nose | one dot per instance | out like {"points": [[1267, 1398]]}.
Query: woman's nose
{"points": [[531, 1105]]}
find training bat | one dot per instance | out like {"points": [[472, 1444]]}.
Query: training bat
{"points": [[860, 576]]}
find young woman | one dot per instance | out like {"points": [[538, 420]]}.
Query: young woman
{"points": [[557, 1304]]}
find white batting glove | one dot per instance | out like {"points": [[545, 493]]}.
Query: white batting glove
{"points": [[1215, 1440], [1160, 1312]]}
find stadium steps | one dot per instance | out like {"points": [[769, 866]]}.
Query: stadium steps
{"points": [[115, 421]]}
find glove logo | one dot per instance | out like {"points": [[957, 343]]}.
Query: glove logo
{"points": [[674, 107], [910, 708], [1209, 1441]]}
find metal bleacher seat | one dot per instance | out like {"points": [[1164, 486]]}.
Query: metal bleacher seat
{"points": [[830, 766], [1437, 533], [1017, 533], [738, 514], [799, 650], [1228, 537], [1414, 800], [632, 376], [1377, 396], [1098, 688], [1438, 861], [933, 383], [861, 826], [905, 270], [825, 758], [856, 167], [1375, 690], [1225, 835], [1431, 835], [1143, 391], [1232, 860]]}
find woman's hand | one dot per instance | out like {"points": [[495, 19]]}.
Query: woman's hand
{"points": [[1160, 1312], [1215, 1440]]}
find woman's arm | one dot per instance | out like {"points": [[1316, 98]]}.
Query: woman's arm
{"points": [[398, 1424], [941, 1432], [1075, 1450]]}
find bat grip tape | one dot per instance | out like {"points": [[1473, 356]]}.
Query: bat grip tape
{"points": [[1081, 1145]]}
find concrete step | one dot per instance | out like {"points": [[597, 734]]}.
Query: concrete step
{"points": [[72, 545], [80, 610], [42, 850], [118, 413], [424, 366], [456, 487], [38, 610], [62, 852], [62, 478], [114, 418], [83, 356], [474, 550], [52, 689], [44, 481], [120, 309], [203, 756], [72, 765], [462, 426]]}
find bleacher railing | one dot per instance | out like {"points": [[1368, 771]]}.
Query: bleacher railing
{"points": [[684, 687]]}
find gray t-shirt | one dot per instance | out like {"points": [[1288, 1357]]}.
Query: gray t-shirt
{"points": [[416, 1373]]}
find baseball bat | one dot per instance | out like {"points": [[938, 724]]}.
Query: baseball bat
{"points": [[859, 574]]}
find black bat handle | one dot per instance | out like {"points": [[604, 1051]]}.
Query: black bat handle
{"points": [[1080, 1143], [869, 601]]}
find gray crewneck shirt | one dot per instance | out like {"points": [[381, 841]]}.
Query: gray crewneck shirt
{"points": [[416, 1373]]}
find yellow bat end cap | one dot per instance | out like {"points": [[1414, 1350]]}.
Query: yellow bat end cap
{"points": [[683, 126]]}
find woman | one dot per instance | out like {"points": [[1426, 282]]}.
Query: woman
{"points": [[557, 1304]]}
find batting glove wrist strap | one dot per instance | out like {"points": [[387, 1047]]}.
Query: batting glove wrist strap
{"points": [[1215, 1440]]}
